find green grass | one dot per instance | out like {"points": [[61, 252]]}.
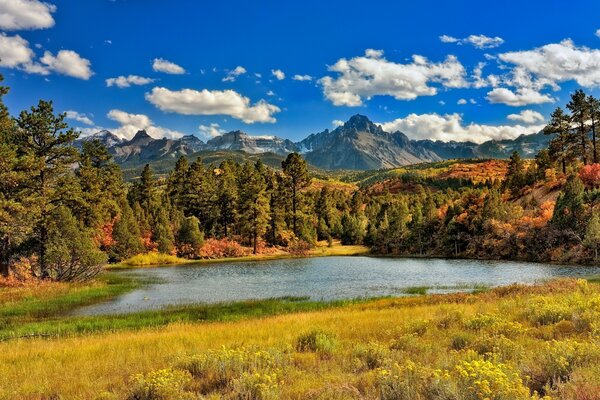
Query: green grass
{"points": [[44, 325], [416, 290], [153, 259], [19, 306]]}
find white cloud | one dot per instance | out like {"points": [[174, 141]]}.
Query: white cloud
{"points": [[371, 75], [68, 62], [127, 81], [14, 51], [527, 116], [279, 74], [162, 65], [233, 74], [448, 39], [130, 124], [552, 64], [478, 41], [337, 122], [75, 116], [216, 102], [210, 131], [25, 14], [461, 102], [270, 93], [598, 33], [451, 127], [302, 77], [521, 97]]}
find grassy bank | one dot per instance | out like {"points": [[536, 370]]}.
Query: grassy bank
{"points": [[20, 306], [507, 343], [159, 260]]}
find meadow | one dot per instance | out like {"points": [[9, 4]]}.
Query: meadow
{"points": [[515, 342]]}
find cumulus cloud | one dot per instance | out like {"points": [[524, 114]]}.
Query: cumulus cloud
{"points": [[75, 116], [168, 67], [215, 102], [478, 41], [551, 64], [461, 102], [234, 73], [302, 77], [598, 33], [451, 127], [130, 124], [67, 62], [14, 51], [279, 74], [127, 81], [527, 116], [210, 131], [337, 122], [25, 14], [521, 97], [371, 75]]}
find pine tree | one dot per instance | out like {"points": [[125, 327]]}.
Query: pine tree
{"points": [[561, 146], [594, 111], [569, 208], [295, 167], [189, 238], [253, 204], [162, 233], [71, 254], [176, 184], [48, 141], [227, 197], [515, 176], [126, 234], [579, 107]]}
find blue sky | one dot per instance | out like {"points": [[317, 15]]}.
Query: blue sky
{"points": [[191, 67]]}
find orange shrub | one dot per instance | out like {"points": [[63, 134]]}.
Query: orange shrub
{"points": [[590, 175], [219, 248]]}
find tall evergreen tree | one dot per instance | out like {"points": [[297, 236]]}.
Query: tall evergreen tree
{"points": [[579, 107], [253, 203], [227, 197], [592, 233], [562, 143], [48, 140], [569, 208], [594, 111], [295, 167]]}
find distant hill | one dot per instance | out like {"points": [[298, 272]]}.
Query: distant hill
{"points": [[358, 144]]}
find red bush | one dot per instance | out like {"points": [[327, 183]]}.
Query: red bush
{"points": [[590, 175], [219, 248]]}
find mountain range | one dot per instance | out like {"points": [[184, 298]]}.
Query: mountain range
{"points": [[358, 144]]}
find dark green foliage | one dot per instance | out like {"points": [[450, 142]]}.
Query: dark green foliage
{"points": [[126, 235], [71, 253], [569, 209], [189, 238]]}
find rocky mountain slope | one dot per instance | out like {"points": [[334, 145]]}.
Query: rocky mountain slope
{"points": [[359, 144]]}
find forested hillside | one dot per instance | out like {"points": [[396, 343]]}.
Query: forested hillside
{"points": [[65, 211]]}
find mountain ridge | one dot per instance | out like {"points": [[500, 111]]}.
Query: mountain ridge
{"points": [[358, 144]]}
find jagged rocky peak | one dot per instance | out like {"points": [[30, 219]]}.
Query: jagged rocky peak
{"points": [[361, 123], [141, 135]]}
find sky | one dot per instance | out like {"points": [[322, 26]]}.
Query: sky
{"points": [[442, 70]]}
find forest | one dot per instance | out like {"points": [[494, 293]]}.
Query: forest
{"points": [[66, 211]]}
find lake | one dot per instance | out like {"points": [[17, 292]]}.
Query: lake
{"points": [[325, 278]]}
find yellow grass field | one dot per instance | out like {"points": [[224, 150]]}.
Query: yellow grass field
{"points": [[509, 343]]}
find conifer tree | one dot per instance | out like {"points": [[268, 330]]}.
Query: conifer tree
{"points": [[253, 204], [579, 107], [569, 208], [227, 197], [48, 141], [126, 234], [594, 111], [562, 143], [295, 168], [189, 238]]}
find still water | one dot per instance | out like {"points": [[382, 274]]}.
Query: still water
{"points": [[324, 278]]}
